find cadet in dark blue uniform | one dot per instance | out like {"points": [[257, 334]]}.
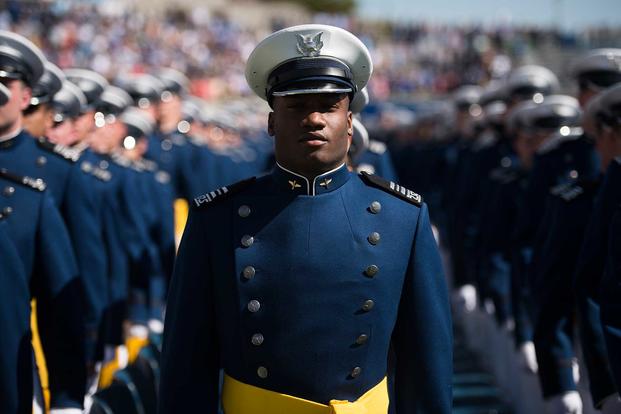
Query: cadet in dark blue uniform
{"points": [[611, 298], [298, 283], [595, 72], [40, 235], [15, 358], [592, 259], [72, 195]]}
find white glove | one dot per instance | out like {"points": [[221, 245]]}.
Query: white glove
{"points": [[575, 370], [489, 306], [528, 357], [66, 411], [509, 325], [567, 403], [612, 405], [467, 297], [156, 326], [139, 331]]}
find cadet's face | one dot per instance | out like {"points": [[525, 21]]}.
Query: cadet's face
{"points": [[85, 124], [170, 109], [608, 145], [11, 112], [39, 121], [312, 132], [63, 133]]}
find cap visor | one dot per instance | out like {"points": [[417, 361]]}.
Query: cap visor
{"points": [[311, 91]]}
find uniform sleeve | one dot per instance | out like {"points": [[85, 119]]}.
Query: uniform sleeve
{"points": [[611, 301], [190, 355], [82, 215], [423, 334], [59, 293], [15, 358]]}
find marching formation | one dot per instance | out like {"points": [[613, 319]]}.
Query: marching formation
{"points": [[309, 278]]}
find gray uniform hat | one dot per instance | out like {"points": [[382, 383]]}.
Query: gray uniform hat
{"points": [[20, 58], [311, 58]]}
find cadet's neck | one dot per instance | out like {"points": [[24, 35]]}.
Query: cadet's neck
{"points": [[310, 175], [11, 134]]}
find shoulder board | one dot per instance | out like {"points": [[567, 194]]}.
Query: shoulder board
{"points": [[551, 144], [484, 141], [124, 162], [392, 188], [99, 173], [196, 141], [572, 191], [221, 193], [64, 152], [377, 147], [559, 189], [35, 183], [368, 168], [503, 175]]}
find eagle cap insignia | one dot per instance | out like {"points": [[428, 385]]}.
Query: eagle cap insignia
{"points": [[309, 45]]}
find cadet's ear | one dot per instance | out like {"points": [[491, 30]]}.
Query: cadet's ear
{"points": [[25, 97], [270, 124], [350, 123]]}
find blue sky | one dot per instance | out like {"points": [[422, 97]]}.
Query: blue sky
{"points": [[569, 14]]}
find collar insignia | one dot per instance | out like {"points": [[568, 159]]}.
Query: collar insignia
{"points": [[326, 182], [294, 184]]}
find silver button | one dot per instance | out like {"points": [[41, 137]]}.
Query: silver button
{"points": [[103, 164], [371, 270], [257, 339], [262, 372], [362, 339], [355, 372], [375, 207], [167, 145], [7, 211], [247, 241], [8, 191], [254, 305], [41, 161], [244, 211], [368, 305], [573, 174], [249, 272], [374, 238]]}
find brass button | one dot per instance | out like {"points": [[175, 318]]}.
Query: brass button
{"points": [[371, 270], [355, 372], [9, 191], [257, 339], [362, 339], [254, 305], [368, 305], [375, 207], [374, 238], [249, 272], [244, 211], [262, 372], [247, 241]]}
